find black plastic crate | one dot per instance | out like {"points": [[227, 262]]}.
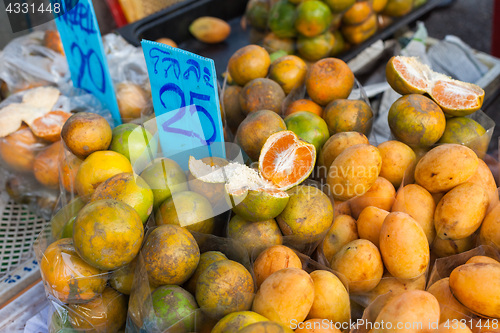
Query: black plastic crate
{"points": [[173, 22]]}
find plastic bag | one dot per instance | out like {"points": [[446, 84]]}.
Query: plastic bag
{"points": [[25, 63], [31, 164], [129, 73]]}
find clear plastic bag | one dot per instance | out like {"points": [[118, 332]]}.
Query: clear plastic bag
{"points": [[25, 63], [30, 163], [129, 73]]}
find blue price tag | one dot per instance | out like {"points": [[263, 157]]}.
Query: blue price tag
{"points": [[81, 39], [186, 102]]}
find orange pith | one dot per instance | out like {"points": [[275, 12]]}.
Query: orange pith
{"points": [[285, 160], [410, 74], [457, 95]]}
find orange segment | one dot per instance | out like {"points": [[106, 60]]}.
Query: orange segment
{"points": [[304, 105], [285, 160], [48, 126], [457, 98]]}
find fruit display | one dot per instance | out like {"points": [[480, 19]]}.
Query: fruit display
{"points": [[313, 227], [321, 28]]}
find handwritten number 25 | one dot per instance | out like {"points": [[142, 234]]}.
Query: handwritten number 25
{"points": [[193, 98]]}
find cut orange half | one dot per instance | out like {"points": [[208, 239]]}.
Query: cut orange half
{"points": [[457, 98], [407, 75], [285, 160]]}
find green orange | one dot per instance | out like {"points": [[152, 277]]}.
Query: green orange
{"points": [[468, 132], [173, 309], [339, 6], [397, 7], [312, 18], [257, 13], [338, 43], [309, 127], [235, 321], [346, 115], [317, 47], [164, 176], [281, 19], [416, 120], [189, 210], [108, 234], [129, 189]]}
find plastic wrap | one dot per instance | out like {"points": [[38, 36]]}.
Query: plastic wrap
{"points": [[27, 62], [30, 164], [129, 73]]}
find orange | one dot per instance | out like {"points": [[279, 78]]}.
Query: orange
{"points": [[256, 129], [329, 79], [46, 165], [273, 43], [52, 40], [339, 6], [69, 168], [378, 5], [127, 188], [346, 115], [289, 71], [416, 120], [49, 126], [171, 255], [261, 94], [303, 105], [281, 19], [468, 132], [338, 43], [166, 41], [457, 98], [97, 168], [273, 259], [108, 234], [18, 149], [358, 33], [406, 75], [68, 278], [248, 63], [224, 287], [231, 105], [86, 132], [285, 160], [398, 7], [358, 13], [312, 18], [309, 127], [317, 47], [106, 313], [133, 100]]}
